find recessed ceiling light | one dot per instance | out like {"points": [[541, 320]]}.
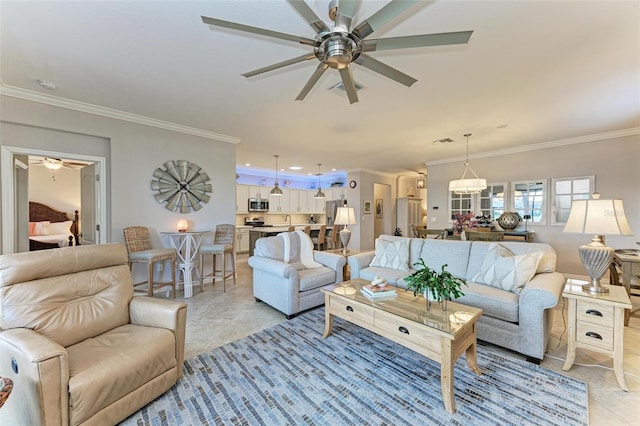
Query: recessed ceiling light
{"points": [[295, 167], [333, 170], [47, 85], [282, 170], [247, 164]]}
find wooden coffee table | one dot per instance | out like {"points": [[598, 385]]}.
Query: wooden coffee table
{"points": [[439, 335]]}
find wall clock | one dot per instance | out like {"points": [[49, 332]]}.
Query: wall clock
{"points": [[182, 185], [352, 184]]}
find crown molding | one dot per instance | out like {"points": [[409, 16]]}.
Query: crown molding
{"points": [[30, 95], [543, 145]]}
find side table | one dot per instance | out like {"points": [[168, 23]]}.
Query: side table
{"points": [[187, 244], [596, 322], [345, 270]]}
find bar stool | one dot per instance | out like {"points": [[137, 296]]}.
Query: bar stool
{"points": [[223, 244], [139, 248], [319, 242]]}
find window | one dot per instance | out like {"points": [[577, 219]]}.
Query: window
{"points": [[529, 198], [492, 200], [564, 192], [461, 204]]}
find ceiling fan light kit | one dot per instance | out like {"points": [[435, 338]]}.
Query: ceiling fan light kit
{"points": [[342, 45], [468, 185]]}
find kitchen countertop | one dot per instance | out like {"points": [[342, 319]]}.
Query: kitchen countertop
{"points": [[284, 228]]}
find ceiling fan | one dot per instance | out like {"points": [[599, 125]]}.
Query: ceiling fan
{"points": [[343, 44], [55, 163]]}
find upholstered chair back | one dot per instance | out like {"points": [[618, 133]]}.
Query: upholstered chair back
{"points": [[64, 296]]}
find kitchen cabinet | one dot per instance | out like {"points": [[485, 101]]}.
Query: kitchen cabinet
{"points": [[242, 240], [280, 204], [242, 197], [314, 205], [298, 202], [258, 191]]}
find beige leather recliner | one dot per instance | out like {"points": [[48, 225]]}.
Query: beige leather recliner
{"points": [[78, 346]]}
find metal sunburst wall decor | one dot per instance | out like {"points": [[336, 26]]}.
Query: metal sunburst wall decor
{"points": [[182, 185]]}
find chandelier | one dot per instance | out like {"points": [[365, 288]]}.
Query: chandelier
{"points": [[468, 185]]}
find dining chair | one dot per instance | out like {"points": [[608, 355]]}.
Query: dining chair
{"points": [[223, 245], [319, 242], [139, 250]]}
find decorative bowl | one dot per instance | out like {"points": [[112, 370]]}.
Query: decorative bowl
{"points": [[509, 220]]}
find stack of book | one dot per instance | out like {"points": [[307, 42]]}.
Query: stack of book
{"points": [[379, 293]]}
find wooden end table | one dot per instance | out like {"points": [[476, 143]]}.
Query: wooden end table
{"points": [[442, 336], [596, 322]]}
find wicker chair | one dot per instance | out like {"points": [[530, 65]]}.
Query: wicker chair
{"points": [[332, 242], [307, 230], [320, 242], [223, 244], [140, 251]]}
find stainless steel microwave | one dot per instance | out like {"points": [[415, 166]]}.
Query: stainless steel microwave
{"points": [[258, 205]]}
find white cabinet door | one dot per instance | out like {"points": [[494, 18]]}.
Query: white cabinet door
{"points": [[280, 204], [242, 198], [258, 192], [242, 245]]}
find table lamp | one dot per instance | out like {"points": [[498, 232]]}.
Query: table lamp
{"points": [[345, 216], [598, 217]]}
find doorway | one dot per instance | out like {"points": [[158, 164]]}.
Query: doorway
{"points": [[15, 194], [382, 219]]}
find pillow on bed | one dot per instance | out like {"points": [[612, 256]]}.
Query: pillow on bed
{"points": [[60, 227], [32, 226], [41, 228]]}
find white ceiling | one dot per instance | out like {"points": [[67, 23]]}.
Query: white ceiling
{"points": [[533, 72]]}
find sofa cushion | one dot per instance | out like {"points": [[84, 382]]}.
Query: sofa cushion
{"points": [[415, 246], [393, 276], [454, 254], [392, 254], [110, 366], [494, 302], [316, 277], [502, 269]]}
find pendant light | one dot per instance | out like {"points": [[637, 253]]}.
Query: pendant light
{"points": [[276, 191], [468, 185], [319, 194]]}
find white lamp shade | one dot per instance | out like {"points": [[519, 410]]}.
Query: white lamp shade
{"points": [[345, 216], [598, 217], [467, 186]]}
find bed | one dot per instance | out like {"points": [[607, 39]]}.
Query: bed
{"points": [[50, 228]]}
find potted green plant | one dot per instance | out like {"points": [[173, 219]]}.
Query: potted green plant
{"points": [[440, 287]]}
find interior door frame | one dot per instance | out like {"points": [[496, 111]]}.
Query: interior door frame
{"points": [[7, 175]]}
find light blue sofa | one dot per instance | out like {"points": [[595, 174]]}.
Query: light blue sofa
{"points": [[289, 287], [517, 320]]}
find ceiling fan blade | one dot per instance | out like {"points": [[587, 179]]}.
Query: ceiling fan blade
{"points": [[385, 70], [256, 30], [423, 40], [312, 81], [280, 65], [349, 84], [346, 10], [382, 16], [310, 16]]}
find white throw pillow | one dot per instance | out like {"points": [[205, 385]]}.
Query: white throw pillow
{"points": [[60, 227], [41, 228], [392, 254], [502, 269]]}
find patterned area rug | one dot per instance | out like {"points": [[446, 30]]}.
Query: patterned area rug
{"points": [[290, 375]]}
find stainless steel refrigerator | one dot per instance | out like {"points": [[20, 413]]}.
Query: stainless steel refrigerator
{"points": [[332, 209]]}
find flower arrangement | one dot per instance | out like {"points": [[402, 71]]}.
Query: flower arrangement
{"points": [[461, 221]]}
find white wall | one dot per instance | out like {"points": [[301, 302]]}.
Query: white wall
{"points": [[59, 189], [613, 162], [135, 151]]}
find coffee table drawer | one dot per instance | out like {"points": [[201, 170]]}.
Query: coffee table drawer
{"points": [[350, 310], [407, 330]]}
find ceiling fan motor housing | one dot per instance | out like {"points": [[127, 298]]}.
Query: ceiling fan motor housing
{"points": [[337, 49]]}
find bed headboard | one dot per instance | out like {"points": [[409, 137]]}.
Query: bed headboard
{"points": [[39, 212]]}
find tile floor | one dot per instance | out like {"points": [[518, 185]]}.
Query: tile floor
{"points": [[215, 318]]}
